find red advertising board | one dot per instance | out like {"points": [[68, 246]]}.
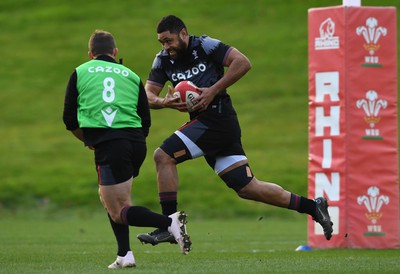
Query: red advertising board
{"points": [[353, 127]]}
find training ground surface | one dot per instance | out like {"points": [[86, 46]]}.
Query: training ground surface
{"points": [[85, 244]]}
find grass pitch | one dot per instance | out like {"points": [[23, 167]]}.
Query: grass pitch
{"points": [[44, 40], [41, 164], [85, 244]]}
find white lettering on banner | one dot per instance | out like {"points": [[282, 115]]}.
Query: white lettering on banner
{"points": [[327, 83], [327, 150], [327, 92], [322, 121], [371, 59], [331, 185], [327, 88]]}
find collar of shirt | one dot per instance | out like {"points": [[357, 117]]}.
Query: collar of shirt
{"points": [[106, 58]]}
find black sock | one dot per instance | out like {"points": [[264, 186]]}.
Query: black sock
{"points": [[302, 204], [121, 233], [144, 217], [169, 202]]}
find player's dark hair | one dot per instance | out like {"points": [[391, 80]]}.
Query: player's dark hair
{"points": [[101, 42], [170, 23]]}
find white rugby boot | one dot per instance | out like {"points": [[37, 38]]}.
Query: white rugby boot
{"points": [[121, 262], [178, 229]]}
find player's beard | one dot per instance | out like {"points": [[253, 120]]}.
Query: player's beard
{"points": [[179, 50]]}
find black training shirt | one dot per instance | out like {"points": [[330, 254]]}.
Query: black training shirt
{"points": [[202, 64]]}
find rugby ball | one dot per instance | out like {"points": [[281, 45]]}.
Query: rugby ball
{"points": [[186, 91]]}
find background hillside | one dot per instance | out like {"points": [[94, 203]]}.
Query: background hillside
{"points": [[42, 165]]}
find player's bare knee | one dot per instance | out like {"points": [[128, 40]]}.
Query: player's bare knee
{"points": [[245, 192], [238, 179], [162, 158], [158, 156], [115, 216]]}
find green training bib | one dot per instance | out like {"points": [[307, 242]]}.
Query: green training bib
{"points": [[107, 95]]}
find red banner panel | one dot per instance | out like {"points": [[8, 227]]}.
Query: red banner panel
{"points": [[353, 127]]}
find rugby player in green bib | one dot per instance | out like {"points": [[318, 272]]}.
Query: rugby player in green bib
{"points": [[106, 108]]}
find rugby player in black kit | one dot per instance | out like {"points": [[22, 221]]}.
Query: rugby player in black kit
{"points": [[213, 130]]}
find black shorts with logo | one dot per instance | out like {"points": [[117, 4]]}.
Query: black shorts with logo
{"points": [[118, 160], [210, 135]]}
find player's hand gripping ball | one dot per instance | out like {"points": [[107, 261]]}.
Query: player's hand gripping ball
{"points": [[186, 91]]}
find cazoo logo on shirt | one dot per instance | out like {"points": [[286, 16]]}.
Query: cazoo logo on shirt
{"points": [[187, 74]]}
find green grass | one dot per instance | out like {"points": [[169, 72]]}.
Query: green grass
{"points": [[75, 242], [43, 41], [43, 167]]}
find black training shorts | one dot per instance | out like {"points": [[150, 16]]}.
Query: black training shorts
{"points": [[210, 135], [118, 160]]}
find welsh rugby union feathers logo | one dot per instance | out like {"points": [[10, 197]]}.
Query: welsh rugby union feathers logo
{"points": [[371, 33], [373, 202], [371, 106]]}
